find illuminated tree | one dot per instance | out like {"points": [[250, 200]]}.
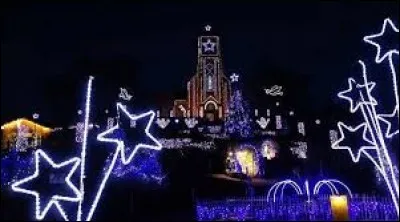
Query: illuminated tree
{"points": [[238, 122]]}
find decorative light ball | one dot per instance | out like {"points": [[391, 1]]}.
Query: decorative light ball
{"points": [[291, 113], [35, 116], [106, 111], [317, 121], [176, 120], [277, 103], [79, 112]]}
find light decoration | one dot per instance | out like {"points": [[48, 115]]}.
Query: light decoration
{"points": [[340, 208], [180, 143], [278, 122], [301, 129], [132, 123], [274, 91], [269, 149], [79, 132], [15, 165], [110, 122], [361, 208], [238, 123], [113, 135], [318, 121], [22, 142], [11, 130], [263, 123], [124, 94], [300, 149], [333, 136], [40, 212], [214, 129], [375, 140], [209, 46], [234, 77], [146, 168], [291, 113], [246, 159], [183, 110], [84, 146], [191, 122], [281, 185], [162, 122]]}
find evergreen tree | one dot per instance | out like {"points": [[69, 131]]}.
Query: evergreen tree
{"points": [[238, 123]]}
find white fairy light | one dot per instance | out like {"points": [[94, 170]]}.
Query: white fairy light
{"points": [[262, 122], [278, 122], [274, 91], [124, 94], [54, 200], [121, 149], [301, 129], [162, 122]]}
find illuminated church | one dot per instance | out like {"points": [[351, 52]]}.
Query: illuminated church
{"points": [[209, 89]]}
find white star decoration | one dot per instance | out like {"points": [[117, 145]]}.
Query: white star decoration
{"points": [[39, 212], [387, 119], [209, 46], [354, 156], [234, 77], [121, 144], [369, 39], [355, 105]]}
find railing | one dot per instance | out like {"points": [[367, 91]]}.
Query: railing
{"points": [[294, 208]]}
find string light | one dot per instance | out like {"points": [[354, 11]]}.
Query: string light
{"points": [[234, 77], [301, 129], [162, 122], [263, 123], [274, 91], [108, 136], [39, 213], [365, 102], [278, 122], [282, 185], [354, 156], [191, 122], [124, 94]]}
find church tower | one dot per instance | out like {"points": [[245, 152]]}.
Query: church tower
{"points": [[209, 88]]}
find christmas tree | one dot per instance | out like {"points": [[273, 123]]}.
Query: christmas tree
{"points": [[238, 123]]}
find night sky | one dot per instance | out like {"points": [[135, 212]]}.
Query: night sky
{"points": [[47, 51]]}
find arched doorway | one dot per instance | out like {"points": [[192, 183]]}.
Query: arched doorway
{"points": [[211, 110]]}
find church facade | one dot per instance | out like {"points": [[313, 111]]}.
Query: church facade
{"points": [[208, 91]]}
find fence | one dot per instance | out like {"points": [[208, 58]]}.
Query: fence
{"points": [[294, 209]]}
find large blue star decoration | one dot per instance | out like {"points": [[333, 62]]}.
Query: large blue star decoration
{"points": [[357, 93], [70, 165], [392, 123], [374, 38], [128, 139], [354, 136]]}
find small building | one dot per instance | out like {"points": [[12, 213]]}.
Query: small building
{"points": [[23, 134]]}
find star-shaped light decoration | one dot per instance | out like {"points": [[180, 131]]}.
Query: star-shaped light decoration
{"points": [[355, 95], [234, 77], [354, 134], [121, 133], [392, 123], [40, 212], [209, 46], [373, 40], [207, 28]]}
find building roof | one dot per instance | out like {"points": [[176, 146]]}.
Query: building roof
{"points": [[15, 123]]}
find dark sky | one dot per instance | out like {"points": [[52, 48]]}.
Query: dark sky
{"points": [[47, 50]]}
